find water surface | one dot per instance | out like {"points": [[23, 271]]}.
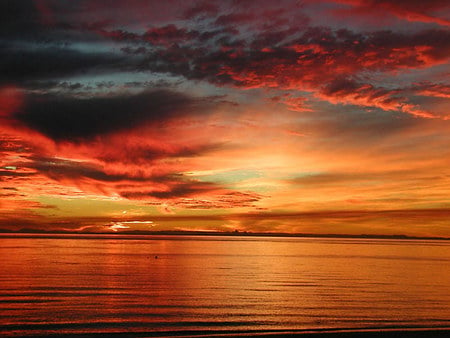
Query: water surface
{"points": [[78, 284]]}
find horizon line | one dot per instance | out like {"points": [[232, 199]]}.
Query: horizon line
{"points": [[32, 232]]}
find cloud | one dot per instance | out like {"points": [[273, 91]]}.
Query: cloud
{"points": [[427, 88], [18, 17], [132, 146], [350, 92], [293, 103], [314, 48], [20, 65], [260, 52], [233, 199], [64, 118], [38, 44], [13, 173], [234, 19], [173, 190], [168, 35], [432, 11], [124, 181], [440, 213], [330, 179], [298, 59], [205, 8], [142, 154], [64, 170], [59, 169]]}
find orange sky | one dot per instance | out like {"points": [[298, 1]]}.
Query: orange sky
{"points": [[272, 116]]}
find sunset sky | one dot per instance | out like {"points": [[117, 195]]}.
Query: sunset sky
{"points": [[263, 116]]}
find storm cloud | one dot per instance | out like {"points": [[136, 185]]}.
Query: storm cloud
{"points": [[64, 118]]}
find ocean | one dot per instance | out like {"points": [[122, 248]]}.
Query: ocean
{"points": [[170, 285]]}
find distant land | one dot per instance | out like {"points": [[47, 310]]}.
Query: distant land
{"points": [[33, 232]]}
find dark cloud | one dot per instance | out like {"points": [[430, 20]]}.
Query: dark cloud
{"points": [[143, 154], [44, 22], [234, 19], [10, 188], [169, 34], [173, 190], [290, 54], [56, 85], [59, 170], [63, 118], [13, 173], [412, 5], [119, 35], [341, 86], [129, 184], [10, 145], [299, 57], [18, 18], [20, 65], [35, 48]]}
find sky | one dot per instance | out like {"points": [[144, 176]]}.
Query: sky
{"points": [[321, 117]]}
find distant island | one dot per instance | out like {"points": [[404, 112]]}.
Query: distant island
{"points": [[33, 232]]}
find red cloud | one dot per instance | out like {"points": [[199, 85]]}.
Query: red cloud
{"points": [[234, 19], [296, 57], [349, 92], [141, 163], [11, 99], [206, 8], [432, 11], [432, 89], [168, 34]]}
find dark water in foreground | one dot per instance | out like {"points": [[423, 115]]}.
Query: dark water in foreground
{"points": [[78, 284]]}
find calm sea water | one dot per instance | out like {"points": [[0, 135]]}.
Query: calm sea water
{"points": [[77, 284]]}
